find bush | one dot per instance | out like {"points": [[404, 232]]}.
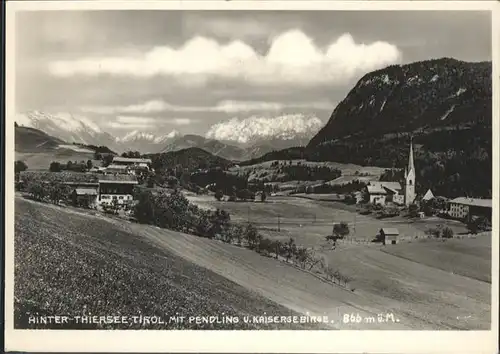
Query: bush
{"points": [[478, 224], [20, 166], [447, 233], [219, 195], [55, 167], [413, 210], [341, 230], [433, 232], [245, 194]]}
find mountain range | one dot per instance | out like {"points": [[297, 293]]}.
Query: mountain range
{"points": [[80, 130]]}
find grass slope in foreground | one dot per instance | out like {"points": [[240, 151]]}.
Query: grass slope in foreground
{"points": [[74, 265]]}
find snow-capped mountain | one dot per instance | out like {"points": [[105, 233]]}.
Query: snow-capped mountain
{"points": [[146, 141], [67, 127], [256, 130]]}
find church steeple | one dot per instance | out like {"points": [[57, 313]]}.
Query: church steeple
{"points": [[411, 166], [410, 175]]}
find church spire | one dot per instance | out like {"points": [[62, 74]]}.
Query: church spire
{"points": [[411, 166]]}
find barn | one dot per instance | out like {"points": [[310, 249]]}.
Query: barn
{"points": [[389, 235]]}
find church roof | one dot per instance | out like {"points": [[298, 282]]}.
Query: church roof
{"points": [[411, 165]]}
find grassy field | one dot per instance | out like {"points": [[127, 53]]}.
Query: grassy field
{"points": [[467, 257], [441, 283], [309, 221], [74, 264], [425, 288], [42, 160]]}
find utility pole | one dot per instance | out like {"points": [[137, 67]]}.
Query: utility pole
{"points": [[278, 223], [354, 226]]}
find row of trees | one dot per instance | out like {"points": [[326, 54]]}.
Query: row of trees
{"points": [[74, 166], [53, 192], [175, 212], [240, 195]]}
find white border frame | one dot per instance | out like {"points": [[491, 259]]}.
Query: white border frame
{"points": [[244, 341]]}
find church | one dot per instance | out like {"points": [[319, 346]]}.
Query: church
{"points": [[409, 181], [380, 192]]}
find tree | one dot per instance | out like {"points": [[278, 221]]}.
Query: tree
{"points": [[132, 154], [341, 230], [20, 166], [55, 167], [219, 195], [413, 210], [144, 210], [263, 196], [89, 164], [447, 233], [477, 225], [37, 190], [245, 194], [302, 256], [107, 160], [252, 236], [290, 249], [151, 182]]}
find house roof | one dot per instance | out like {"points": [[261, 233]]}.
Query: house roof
{"points": [[117, 178], [428, 195], [375, 189], [116, 167], [130, 160], [485, 203], [86, 191], [392, 186], [389, 231]]}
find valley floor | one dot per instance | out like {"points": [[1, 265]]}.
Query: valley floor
{"points": [[161, 270]]}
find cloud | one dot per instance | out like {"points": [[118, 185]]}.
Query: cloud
{"points": [[248, 28], [137, 122], [182, 121], [293, 58], [245, 130], [226, 106]]}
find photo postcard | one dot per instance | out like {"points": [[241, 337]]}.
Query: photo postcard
{"points": [[252, 176]]}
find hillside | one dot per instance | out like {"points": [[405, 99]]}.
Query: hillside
{"points": [[34, 140], [215, 147], [123, 273], [190, 158], [445, 104]]}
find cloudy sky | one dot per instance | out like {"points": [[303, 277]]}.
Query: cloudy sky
{"points": [[156, 71]]}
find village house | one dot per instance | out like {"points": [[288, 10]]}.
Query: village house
{"points": [[117, 169], [391, 190], [468, 208], [84, 197], [376, 194], [132, 165], [116, 187]]}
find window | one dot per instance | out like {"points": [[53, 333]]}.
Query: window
{"points": [[120, 197]]}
